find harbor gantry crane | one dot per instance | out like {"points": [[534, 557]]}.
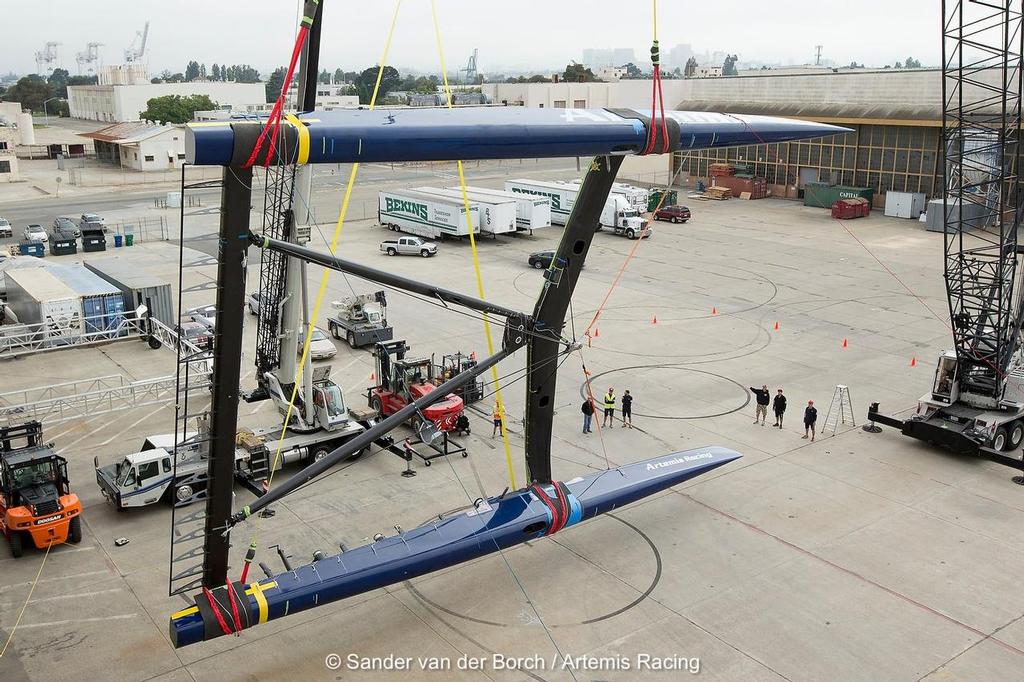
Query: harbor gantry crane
{"points": [[976, 404], [88, 58], [135, 53]]}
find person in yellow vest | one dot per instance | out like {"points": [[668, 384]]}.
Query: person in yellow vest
{"points": [[609, 408], [497, 421]]}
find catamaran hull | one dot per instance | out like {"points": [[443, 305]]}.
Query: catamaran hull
{"points": [[494, 524]]}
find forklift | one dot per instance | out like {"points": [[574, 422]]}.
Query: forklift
{"points": [[36, 503]]}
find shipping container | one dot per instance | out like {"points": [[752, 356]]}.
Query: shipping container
{"points": [[137, 288], [532, 212], [972, 215], [497, 216], [103, 307], [426, 215], [823, 195], [904, 204], [41, 300], [757, 187]]}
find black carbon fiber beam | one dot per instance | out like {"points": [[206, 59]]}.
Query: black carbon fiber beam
{"points": [[543, 346]]}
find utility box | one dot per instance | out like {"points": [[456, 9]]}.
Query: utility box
{"points": [[904, 204]]}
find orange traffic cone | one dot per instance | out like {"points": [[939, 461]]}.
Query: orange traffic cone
{"points": [[846, 343], [655, 320], [597, 332], [776, 326], [913, 362], [714, 311], [373, 376]]}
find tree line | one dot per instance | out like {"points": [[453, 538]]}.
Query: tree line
{"points": [[33, 91]]}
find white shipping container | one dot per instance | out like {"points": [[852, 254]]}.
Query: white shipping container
{"points": [[532, 212], [43, 301], [497, 216], [426, 215]]}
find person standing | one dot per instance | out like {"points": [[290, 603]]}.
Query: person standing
{"points": [[810, 418], [496, 416], [627, 410], [588, 413], [763, 398], [609, 408], [779, 407]]}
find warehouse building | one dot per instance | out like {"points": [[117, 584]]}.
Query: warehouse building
{"points": [[895, 118], [140, 146], [120, 103]]}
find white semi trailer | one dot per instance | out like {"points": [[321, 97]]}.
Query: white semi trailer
{"points": [[617, 213], [426, 215], [497, 216], [636, 196], [532, 212]]}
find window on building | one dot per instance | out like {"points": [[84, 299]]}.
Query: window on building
{"points": [[3, 145], [558, 104], [149, 157], [579, 104], [181, 157], [5, 166], [541, 105]]}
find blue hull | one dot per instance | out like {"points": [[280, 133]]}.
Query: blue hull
{"points": [[395, 135], [497, 523]]}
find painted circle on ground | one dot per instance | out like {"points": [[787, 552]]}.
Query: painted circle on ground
{"points": [[655, 579], [740, 387]]}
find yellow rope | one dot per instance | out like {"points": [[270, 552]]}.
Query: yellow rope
{"points": [[476, 262], [323, 280], [24, 606]]}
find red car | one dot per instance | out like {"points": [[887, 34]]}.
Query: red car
{"points": [[674, 214]]}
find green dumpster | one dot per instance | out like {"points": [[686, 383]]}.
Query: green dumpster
{"points": [[823, 195], [128, 239], [671, 198]]}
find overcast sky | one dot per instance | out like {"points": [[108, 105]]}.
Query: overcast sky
{"points": [[510, 34]]}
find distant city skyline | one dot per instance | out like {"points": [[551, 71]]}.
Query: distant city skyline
{"points": [[191, 29]]}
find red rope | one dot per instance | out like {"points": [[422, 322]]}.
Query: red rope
{"points": [[216, 611], [273, 124], [234, 607]]}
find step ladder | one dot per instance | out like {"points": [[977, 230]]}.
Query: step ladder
{"points": [[839, 410]]}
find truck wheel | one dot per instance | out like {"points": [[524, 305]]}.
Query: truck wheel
{"points": [[333, 329], [14, 540], [351, 339], [154, 342], [1001, 439], [319, 454], [75, 530], [425, 253], [1016, 434], [391, 252], [631, 234], [182, 493]]}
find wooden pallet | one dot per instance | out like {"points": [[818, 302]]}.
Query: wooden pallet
{"points": [[716, 194]]}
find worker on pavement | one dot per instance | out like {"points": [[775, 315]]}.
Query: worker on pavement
{"points": [[810, 418], [779, 407], [763, 398], [497, 420], [609, 408], [588, 413], [627, 410]]}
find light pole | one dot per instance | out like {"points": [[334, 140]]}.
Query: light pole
{"points": [[46, 116]]}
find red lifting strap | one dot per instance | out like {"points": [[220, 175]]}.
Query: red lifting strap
{"points": [[558, 506], [216, 611]]}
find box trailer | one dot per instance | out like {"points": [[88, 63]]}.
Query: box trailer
{"points": [[638, 197], [497, 216], [532, 212], [46, 304], [137, 288], [103, 308], [617, 213], [426, 215]]}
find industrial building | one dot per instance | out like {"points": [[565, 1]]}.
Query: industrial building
{"points": [[8, 161], [120, 103], [895, 116], [140, 146]]}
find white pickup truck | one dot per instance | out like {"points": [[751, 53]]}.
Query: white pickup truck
{"points": [[408, 246]]}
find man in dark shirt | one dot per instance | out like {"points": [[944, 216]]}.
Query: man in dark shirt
{"points": [[588, 413], [779, 407], [763, 398], [627, 410], [810, 417]]}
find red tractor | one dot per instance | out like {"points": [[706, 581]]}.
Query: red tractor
{"points": [[403, 380]]}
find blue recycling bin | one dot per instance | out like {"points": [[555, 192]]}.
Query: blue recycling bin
{"points": [[117, 241]]}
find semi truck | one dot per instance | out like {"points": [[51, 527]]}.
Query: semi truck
{"points": [[426, 215], [532, 212], [497, 215], [617, 213], [637, 197]]}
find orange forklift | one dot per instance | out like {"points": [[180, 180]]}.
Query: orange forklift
{"points": [[36, 504]]}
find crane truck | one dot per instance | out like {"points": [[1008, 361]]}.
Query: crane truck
{"points": [[361, 320]]}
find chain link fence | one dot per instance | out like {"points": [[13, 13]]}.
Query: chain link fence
{"points": [[143, 229]]}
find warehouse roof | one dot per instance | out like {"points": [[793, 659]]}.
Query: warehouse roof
{"points": [[131, 132]]}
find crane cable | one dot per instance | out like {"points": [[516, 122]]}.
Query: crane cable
{"points": [[500, 405], [251, 554]]}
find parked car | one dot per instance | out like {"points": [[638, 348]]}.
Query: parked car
{"points": [[65, 228], [35, 233], [91, 221], [541, 259], [673, 214], [408, 246], [6, 229], [252, 301], [205, 315], [321, 347], [197, 333]]}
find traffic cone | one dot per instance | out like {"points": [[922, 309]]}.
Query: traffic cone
{"points": [[714, 311], [373, 377], [655, 320], [776, 326], [913, 362], [597, 332], [846, 343]]}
